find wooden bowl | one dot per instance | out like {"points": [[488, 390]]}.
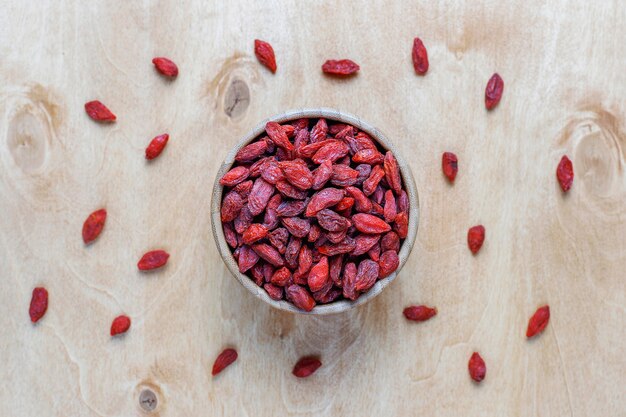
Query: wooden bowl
{"points": [[337, 306]]}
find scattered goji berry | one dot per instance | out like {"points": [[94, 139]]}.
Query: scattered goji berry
{"points": [[99, 112], [120, 325], [538, 321], [152, 260], [477, 367], [493, 91], [93, 225], [224, 359], [419, 313], [156, 146], [342, 67], [420, 57], [565, 173], [265, 54], [38, 304], [449, 164], [306, 366], [165, 66], [475, 238]]}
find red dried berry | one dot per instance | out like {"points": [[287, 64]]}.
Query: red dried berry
{"points": [[342, 67], [300, 297], [260, 195], [419, 313], [477, 367], [319, 275], [247, 258], [253, 233], [93, 225], [420, 57], [493, 91], [368, 156], [306, 366], [319, 131], [250, 152], [297, 173], [278, 136], [281, 277], [475, 238], [388, 263], [325, 198], [275, 292], [224, 359], [538, 321], [120, 325], [392, 173], [231, 206], [99, 112], [449, 165], [565, 173], [265, 54], [401, 226], [269, 253], [366, 223], [152, 260], [38, 304], [156, 146], [235, 176], [165, 66]]}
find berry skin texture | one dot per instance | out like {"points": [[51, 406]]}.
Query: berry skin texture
{"points": [[156, 146], [449, 165], [165, 66], [93, 225], [152, 260], [475, 238], [224, 359], [306, 367], [565, 173], [38, 304], [265, 54], [477, 368], [99, 112], [493, 91], [538, 321], [420, 57]]}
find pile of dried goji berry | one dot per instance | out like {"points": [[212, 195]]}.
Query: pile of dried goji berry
{"points": [[309, 208]]}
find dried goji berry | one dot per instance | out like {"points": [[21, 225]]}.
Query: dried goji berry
{"points": [[261, 193], [374, 252], [291, 208], [390, 241], [366, 275], [366, 223], [325, 198], [290, 191], [278, 136], [420, 57], [343, 176], [38, 304], [331, 221], [165, 66], [243, 189], [224, 359], [538, 321], [370, 184], [247, 258], [475, 238], [401, 225], [257, 273], [388, 263], [368, 156], [152, 260], [322, 174], [296, 226], [281, 277], [265, 54], [253, 233], [319, 275], [319, 131], [341, 67], [349, 281], [297, 173], [306, 366], [345, 246], [250, 152], [477, 367], [243, 221], [493, 91], [269, 253], [278, 238], [363, 243], [390, 210], [231, 206], [93, 225], [335, 265], [235, 176], [344, 204], [419, 313], [275, 292], [300, 297], [331, 152], [120, 325], [449, 165], [99, 112], [156, 146], [361, 202], [392, 173], [292, 251], [229, 234], [565, 173]]}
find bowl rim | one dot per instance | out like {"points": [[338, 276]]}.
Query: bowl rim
{"points": [[337, 116]]}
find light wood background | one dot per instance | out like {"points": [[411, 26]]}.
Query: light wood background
{"points": [[563, 63]]}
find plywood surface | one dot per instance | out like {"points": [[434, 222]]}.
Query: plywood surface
{"points": [[565, 87]]}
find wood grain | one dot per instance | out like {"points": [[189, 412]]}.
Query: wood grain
{"points": [[563, 67]]}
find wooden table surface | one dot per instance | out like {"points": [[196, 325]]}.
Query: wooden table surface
{"points": [[563, 65]]}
